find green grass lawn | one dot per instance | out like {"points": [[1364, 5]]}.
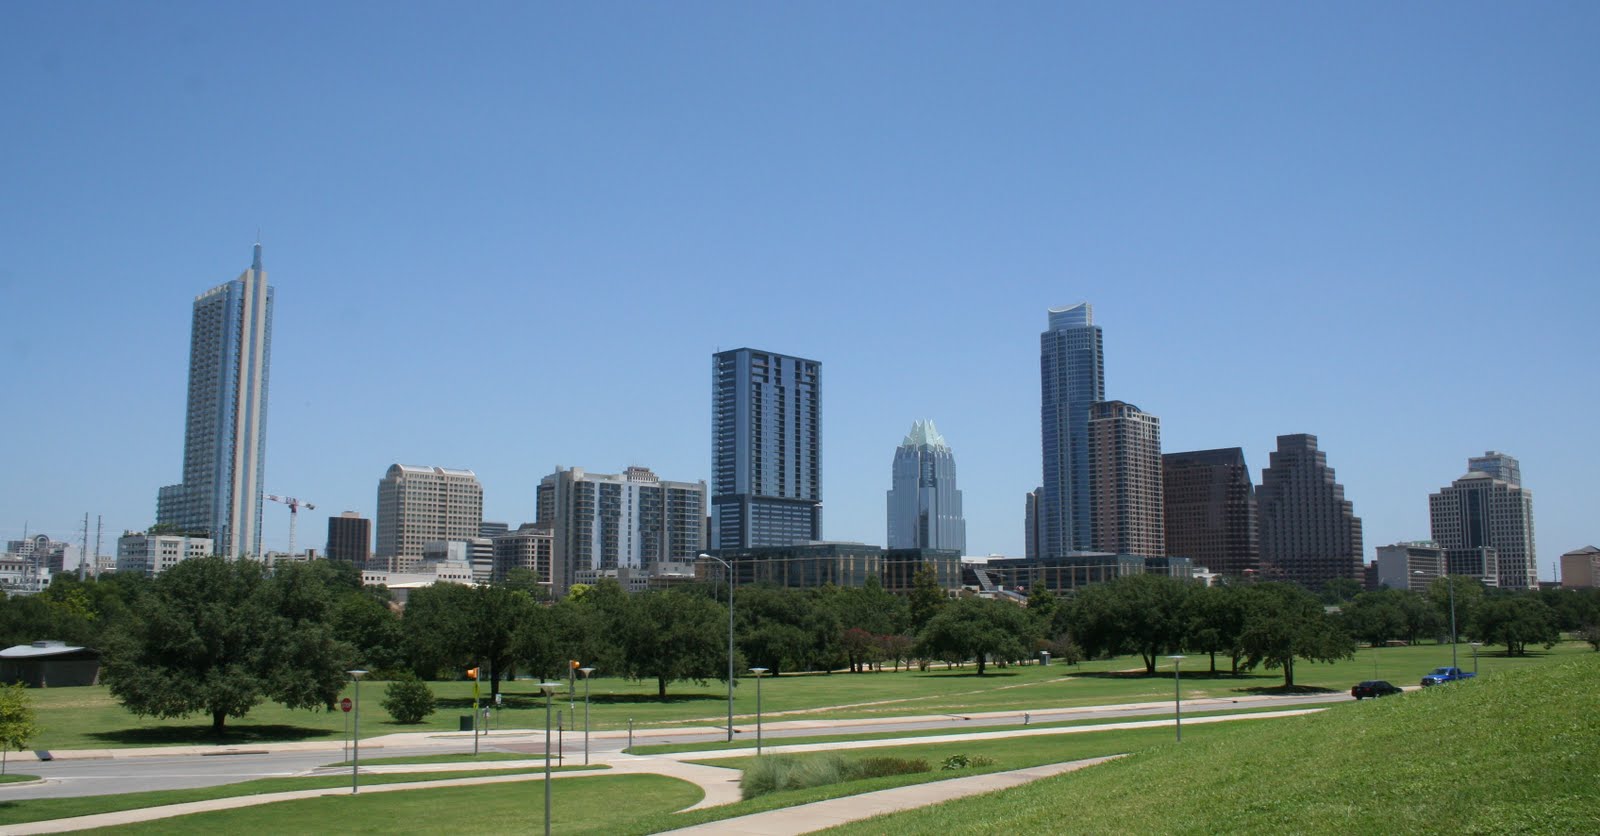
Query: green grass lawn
{"points": [[457, 757], [13, 777], [73, 718], [1503, 754], [584, 805]]}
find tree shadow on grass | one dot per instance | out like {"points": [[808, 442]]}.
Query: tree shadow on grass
{"points": [[203, 735], [523, 701], [1287, 690], [968, 673], [1197, 676]]}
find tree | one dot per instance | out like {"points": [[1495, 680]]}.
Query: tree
{"points": [[1468, 594], [372, 628], [218, 636], [1340, 590], [408, 699], [927, 597], [1215, 619], [860, 648], [1142, 613], [978, 628], [670, 636], [1041, 602], [1376, 617], [897, 648], [456, 626], [17, 724], [1514, 621], [1283, 623]]}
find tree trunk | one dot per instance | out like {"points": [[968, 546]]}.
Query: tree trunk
{"points": [[3, 753], [661, 687], [218, 718], [1149, 664], [1288, 673], [980, 664], [1213, 663]]}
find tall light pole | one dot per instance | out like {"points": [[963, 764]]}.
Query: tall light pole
{"points": [[586, 674], [729, 567], [1177, 695], [548, 689], [1450, 584], [355, 762], [759, 672]]}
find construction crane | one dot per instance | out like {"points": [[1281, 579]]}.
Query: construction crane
{"points": [[294, 509]]}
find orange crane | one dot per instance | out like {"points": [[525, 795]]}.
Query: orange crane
{"points": [[294, 508]]}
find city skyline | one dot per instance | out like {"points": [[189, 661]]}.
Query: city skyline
{"points": [[1271, 247]]}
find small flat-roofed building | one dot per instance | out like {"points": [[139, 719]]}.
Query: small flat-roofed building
{"points": [[50, 664]]}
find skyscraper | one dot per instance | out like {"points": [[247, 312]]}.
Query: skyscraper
{"points": [[422, 505], [1309, 531], [1211, 510], [631, 520], [1125, 480], [349, 538], [924, 504], [1072, 376], [1482, 511], [1032, 532], [225, 437], [766, 449]]}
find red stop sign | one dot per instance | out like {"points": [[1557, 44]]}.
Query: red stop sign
{"points": [[346, 704]]}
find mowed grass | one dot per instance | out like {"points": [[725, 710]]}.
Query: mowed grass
{"points": [[1512, 752], [76, 718], [581, 805]]}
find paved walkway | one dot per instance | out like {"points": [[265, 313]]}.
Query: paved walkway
{"points": [[821, 815]]}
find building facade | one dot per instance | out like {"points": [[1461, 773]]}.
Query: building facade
{"points": [[1072, 378], [1309, 531], [530, 547], [1411, 566], [629, 520], [766, 449], [421, 505], [1498, 465], [1210, 506], [152, 554], [1125, 480], [349, 538], [1032, 522], [924, 504], [812, 565], [1481, 511], [225, 434], [1580, 568]]}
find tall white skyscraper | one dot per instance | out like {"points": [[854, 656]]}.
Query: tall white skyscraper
{"points": [[422, 505], [1071, 377], [924, 505], [225, 438], [1484, 523]]}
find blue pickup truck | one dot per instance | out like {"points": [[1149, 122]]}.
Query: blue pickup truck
{"points": [[1442, 675]]}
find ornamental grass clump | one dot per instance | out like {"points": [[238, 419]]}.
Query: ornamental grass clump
{"points": [[777, 773]]}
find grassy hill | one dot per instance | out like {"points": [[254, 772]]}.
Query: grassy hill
{"points": [[1514, 752]]}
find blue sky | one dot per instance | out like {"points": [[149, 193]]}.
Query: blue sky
{"points": [[507, 237]]}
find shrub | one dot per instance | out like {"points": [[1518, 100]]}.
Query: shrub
{"points": [[966, 762], [881, 767], [777, 773], [408, 700]]}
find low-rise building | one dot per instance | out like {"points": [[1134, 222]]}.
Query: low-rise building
{"points": [[1580, 567], [1412, 565], [152, 554]]}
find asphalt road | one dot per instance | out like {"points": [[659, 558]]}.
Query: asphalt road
{"points": [[105, 776]]}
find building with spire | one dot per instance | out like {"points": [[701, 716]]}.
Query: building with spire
{"points": [[225, 435], [924, 504], [1072, 378]]}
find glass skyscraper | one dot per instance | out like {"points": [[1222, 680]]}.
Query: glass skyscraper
{"points": [[1072, 376], [766, 449], [924, 505], [225, 437]]}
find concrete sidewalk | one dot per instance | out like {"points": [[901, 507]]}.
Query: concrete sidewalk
{"points": [[821, 815]]}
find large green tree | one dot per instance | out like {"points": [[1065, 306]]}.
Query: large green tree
{"points": [[219, 636], [1214, 617], [453, 626], [17, 721], [978, 628], [1515, 620], [1145, 614], [670, 636], [927, 597], [1283, 623]]}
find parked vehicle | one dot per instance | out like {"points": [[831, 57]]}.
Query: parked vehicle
{"points": [[1446, 674], [1373, 688]]}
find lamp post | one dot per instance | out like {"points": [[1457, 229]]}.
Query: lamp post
{"points": [[586, 674], [1475, 646], [548, 689], [1177, 695], [355, 739], [1450, 585], [759, 672], [726, 565]]}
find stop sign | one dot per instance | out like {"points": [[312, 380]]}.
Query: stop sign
{"points": [[346, 704]]}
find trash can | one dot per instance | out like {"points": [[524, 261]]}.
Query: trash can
{"points": [[1044, 657], [466, 722]]}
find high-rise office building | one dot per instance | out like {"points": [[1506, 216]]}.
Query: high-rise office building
{"points": [[225, 436], [421, 505], [530, 547], [1480, 511], [1072, 377], [924, 504], [349, 538], [1032, 532], [1309, 531], [766, 449], [1498, 465], [631, 520], [1125, 480], [1211, 510]]}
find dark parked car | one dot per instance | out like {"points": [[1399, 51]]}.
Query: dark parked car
{"points": [[1373, 688]]}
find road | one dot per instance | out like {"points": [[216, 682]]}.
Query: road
{"points": [[123, 771]]}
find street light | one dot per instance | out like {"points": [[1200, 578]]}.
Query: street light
{"points": [[726, 565], [1475, 646], [355, 762], [758, 672], [1177, 695], [548, 689], [586, 674], [1451, 586]]}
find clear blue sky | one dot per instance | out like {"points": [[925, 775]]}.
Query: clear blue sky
{"points": [[507, 237]]}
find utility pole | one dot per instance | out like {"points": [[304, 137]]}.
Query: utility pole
{"points": [[83, 554], [99, 527]]}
